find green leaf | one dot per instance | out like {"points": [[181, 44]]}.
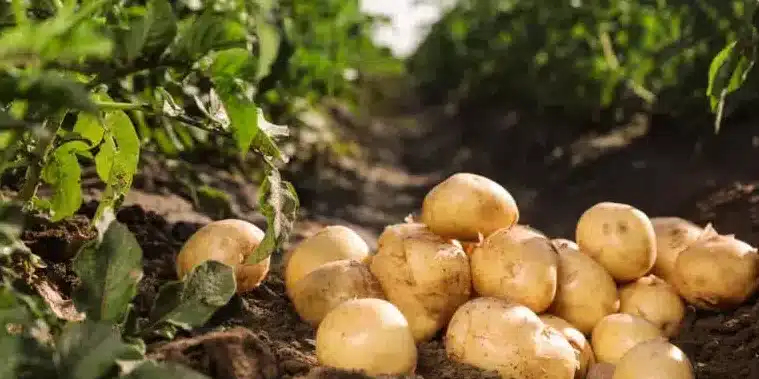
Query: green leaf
{"points": [[110, 268], [63, 173], [152, 32], [245, 119], [279, 203], [116, 162], [208, 32], [89, 128], [268, 46], [46, 89], [191, 302], [236, 62], [89, 350], [163, 370], [727, 73], [24, 358]]}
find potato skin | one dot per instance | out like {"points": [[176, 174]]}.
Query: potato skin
{"points": [[617, 333], [496, 334], [366, 334], [516, 264], [673, 235], [228, 241], [655, 300], [465, 205], [654, 359], [424, 275], [332, 243], [718, 272], [586, 292], [620, 237], [331, 284], [580, 344]]}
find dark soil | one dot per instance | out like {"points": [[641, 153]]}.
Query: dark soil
{"points": [[555, 172]]}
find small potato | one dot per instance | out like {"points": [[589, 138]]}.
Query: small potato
{"points": [[585, 293], [654, 300], [230, 242], [424, 275], [717, 271], [331, 284], [619, 237], [366, 334], [673, 235], [654, 359], [332, 243], [465, 205], [499, 335], [601, 371], [583, 351], [516, 264], [617, 333]]}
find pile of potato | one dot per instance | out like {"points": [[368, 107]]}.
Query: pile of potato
{"points": [[508, 298]]}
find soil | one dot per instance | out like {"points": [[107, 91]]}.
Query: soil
{"points": [[554, 170]]}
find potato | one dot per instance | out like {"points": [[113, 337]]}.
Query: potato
{"points": [[585, 293], [654, 359], [516, 264], [601, 371], [581, 345], [617, 333], [717, 271], [619, 237], [366, 334], [673, 235], [332, 243], [424, 275], [465, 205], [654, 300], [231, 242], [331, 284], [503, 336]]}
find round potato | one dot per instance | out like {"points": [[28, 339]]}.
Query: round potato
{"points": [[673, 235], [516, 264], [617, 333], [654, 300], [230, 242], [331, 284], [619, 237], [717, 271], [332, 243], [654, 359], [366, 334], [586, 292], [424, 275], [583, 351], [465, 205], [499, 335], [601, 371]]}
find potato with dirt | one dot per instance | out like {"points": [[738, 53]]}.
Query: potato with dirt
{"points": [[426, 276], [585, 292], [618, 236], [581, 345], [231, 242], [654, 359], [366, 334], [673, 235], [717, 271], [656, 301], [509, 338], [617, 333], [331, 243], [465, 206], [516, 264], [331, 284]]}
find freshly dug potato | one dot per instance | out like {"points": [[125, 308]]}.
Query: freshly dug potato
{"points": [[518, 265], [619, 237], [424, 275], [654, 300], [496, 334], [654, 359], [601, 371], [717, 271], [366, 334], [617, 333], [331, 284], [465, 205], [230, 242], [673, 235], [583, 351], [332, 243], [585, 293]]}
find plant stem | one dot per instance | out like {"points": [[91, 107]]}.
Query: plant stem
{"points": [[116, 106], [43, 147]]}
